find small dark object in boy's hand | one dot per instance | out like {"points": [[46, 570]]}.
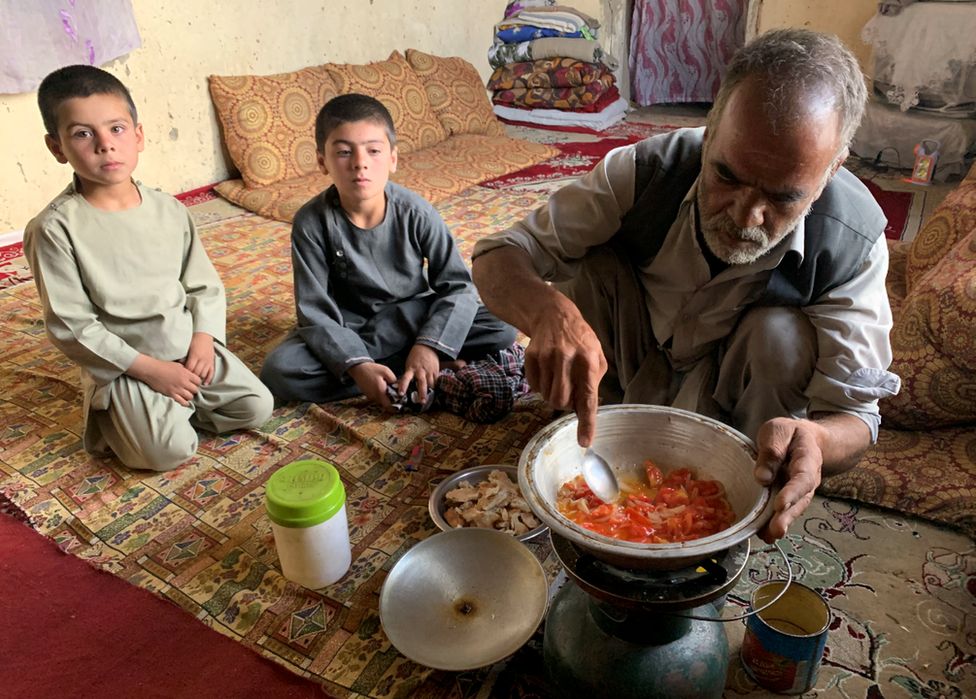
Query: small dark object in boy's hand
{"points": [[410, 401]]}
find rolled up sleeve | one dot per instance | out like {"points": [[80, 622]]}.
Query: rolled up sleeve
{"points": [[853, 323]]}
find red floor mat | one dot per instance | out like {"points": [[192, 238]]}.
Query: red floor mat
{"points": [[70, 630]]}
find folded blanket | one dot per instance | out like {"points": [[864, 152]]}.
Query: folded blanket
{"points": [[568, 22], [515, 6], [547, 72], [556, 119], [586, 98], [526, 32], [586, 50], [591, 22]]}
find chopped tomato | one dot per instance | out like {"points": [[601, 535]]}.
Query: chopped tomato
{"points": [[670, 507], [654, 475]]}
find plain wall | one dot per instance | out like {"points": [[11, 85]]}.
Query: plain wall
{"points": [[184, 42], [845, 18]]}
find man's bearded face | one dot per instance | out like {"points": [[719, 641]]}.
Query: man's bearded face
{"points": [[735, 245]]}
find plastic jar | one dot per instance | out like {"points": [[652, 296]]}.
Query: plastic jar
{"points": [[306, 503]]}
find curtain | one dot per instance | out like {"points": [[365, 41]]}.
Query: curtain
{"points": [[679, 48]]}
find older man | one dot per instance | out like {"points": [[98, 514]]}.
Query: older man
{"points": [[736, 270]]}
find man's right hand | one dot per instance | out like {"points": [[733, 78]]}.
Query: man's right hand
{"points": [[372, 379], [564, 361], [171, 379]]}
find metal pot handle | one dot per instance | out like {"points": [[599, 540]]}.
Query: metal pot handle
{"points": [[770, 603]]}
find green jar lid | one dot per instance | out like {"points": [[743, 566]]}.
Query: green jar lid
{"points": [[304, 493]]}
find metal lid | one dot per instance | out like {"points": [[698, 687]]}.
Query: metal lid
{"points": [[463, 598]]}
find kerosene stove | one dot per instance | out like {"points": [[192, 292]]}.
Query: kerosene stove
{"points": [[622, 625], [619, 632]]}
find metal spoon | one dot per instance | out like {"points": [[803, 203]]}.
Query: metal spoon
{"points": [[599, 476]]}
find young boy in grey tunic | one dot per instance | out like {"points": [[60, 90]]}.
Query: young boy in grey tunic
{"points": [[128, 290], [371, 318]]}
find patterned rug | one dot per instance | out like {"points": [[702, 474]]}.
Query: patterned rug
{"points": [[574, 159], [903, 592], [13, 266], [896, 206]]}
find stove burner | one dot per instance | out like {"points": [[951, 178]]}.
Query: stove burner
{"points": [[684, 588]]}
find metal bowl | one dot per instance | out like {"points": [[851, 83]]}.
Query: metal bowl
{"points": [[626, 436], [437, 505], [463, 598]]}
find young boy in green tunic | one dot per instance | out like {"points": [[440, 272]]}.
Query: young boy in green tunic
{"points": [[128, 291]]}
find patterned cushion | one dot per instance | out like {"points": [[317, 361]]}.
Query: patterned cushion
{"points": [[280, 201], [456, 94], [927, 473], [895, 280], [435, 173], [547, 72], [268, 121], [394, 83], [952, 220], [934, 345]]}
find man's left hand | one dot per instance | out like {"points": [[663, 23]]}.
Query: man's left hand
{"points": [[797, 453], [789, 450]]}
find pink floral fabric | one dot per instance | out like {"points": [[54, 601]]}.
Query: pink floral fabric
{"points": [[679, 48]]}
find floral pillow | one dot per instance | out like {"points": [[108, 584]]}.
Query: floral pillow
{"points": [[394, 83], [934, 345], [268, 121], [456, 94]]}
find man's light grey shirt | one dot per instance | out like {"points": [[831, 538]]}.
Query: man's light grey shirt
{"points": [[695, 311]]}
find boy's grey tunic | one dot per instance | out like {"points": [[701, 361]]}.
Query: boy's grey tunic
{"points": [[116, 284], [365, 295]]}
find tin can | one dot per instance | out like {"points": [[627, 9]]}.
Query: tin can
{"points": [[784, 643]]}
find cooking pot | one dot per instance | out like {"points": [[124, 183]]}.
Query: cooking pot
{"points": [[627, 435]]}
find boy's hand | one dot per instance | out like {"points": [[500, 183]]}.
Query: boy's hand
{"points": [[171, 379], [200, 357], [372, 379], [423, 366]]}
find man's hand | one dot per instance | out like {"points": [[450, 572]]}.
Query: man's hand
{"points": [[200, 357], [423, 366], [796, 453], [171, 379], [372, 379], [564, 362]]}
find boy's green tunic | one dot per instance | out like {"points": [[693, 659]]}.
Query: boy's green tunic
{"points": [[115, 284]]}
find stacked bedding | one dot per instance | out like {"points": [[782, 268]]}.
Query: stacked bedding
{"points": [[550, 69]]}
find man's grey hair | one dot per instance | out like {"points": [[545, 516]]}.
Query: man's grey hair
{"points": [[794, 66]]}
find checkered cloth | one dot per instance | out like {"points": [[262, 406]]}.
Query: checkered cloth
{"points": [[484, 390]]}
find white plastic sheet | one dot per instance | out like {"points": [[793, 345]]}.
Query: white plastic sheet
{"points": [[40, 36], [926, 52]]}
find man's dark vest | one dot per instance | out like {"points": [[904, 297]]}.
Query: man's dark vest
{"points": [[841, 228]]}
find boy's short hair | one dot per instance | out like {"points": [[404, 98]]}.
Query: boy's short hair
{"points": [[352, 107], [77, 81]]}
